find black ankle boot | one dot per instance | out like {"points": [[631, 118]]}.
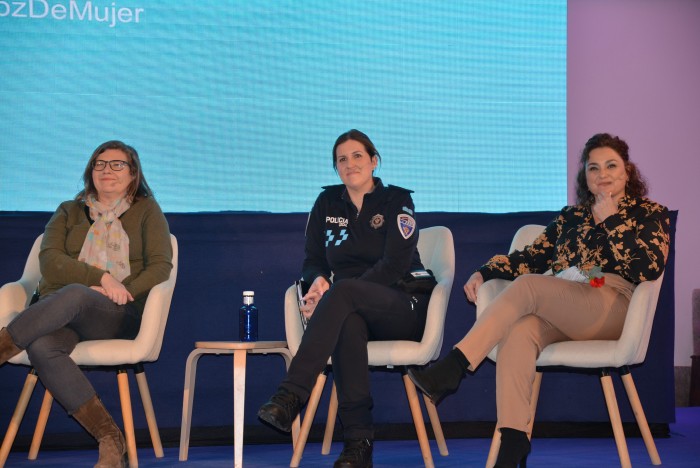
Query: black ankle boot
{"points": [[443, 377], [357, 453], [515, 447], [281, 410]]}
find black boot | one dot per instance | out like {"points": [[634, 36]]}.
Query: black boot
{"points": [[281, 410], [515, 447], [8, 348], [357, 453], [443, 377]]}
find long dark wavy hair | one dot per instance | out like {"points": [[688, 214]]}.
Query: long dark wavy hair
{"points": [[358, 136], [137, 190], [636, 184]]}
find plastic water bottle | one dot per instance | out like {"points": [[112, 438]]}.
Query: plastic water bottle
{"points": [[248, 318]]}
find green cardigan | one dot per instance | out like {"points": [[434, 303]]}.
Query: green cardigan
{"points": [[150, 251]]}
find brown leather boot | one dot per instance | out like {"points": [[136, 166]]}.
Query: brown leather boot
{"points": [[96, 420], [8, 348]]}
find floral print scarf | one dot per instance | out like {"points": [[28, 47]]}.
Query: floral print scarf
{"points": [[106, 244]]}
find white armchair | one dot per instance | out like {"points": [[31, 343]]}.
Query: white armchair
{"points": [[629, 349], [436, 248], [123, 354]]}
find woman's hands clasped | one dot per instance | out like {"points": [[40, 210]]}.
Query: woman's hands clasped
{"points": [[113, 289], [472, 285], [316, 291]]}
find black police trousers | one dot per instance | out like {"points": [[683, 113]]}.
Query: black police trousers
{"points": [[351, 313]]}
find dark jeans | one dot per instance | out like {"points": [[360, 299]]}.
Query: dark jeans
{"points": [[50, 329], [349, 315]]}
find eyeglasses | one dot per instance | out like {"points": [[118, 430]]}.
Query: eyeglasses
{"points": [[115, 165]]}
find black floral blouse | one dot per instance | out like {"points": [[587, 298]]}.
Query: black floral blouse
{"points": [[633, 243]]}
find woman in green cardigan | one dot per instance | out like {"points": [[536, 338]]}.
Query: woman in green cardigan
{"points": [[101, 254]]}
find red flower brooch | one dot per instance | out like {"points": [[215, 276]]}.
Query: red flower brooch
{"points": [[595, 277]]}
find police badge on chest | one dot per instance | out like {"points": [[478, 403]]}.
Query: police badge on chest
{"points": [[377, 221]]}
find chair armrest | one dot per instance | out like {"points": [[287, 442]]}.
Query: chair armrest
{"points": [[484, 296], [487, 293], [153, 321], [434, 331], [13, 300], [631, 347], [292, 321]]}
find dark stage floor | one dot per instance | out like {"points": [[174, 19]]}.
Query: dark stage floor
{"points": [[681, 449]]}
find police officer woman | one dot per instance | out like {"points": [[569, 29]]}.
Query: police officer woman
{"points": [[364, 235]]}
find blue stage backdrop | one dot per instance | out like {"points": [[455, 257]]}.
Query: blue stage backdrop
{"points": [[234, 105]]}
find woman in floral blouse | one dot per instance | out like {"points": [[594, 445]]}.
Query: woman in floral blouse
{"points": [[594, 254]]}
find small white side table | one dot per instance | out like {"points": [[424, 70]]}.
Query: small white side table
{"points": [[240, 351]]}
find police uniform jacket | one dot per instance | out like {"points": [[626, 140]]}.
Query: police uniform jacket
{"points": [[378, 244]]}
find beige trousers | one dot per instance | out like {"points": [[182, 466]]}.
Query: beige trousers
{"points": [[531, 313]]}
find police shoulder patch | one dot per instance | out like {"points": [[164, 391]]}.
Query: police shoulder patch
{"points": [[407, 225]]}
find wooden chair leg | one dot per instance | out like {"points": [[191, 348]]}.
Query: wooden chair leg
{"points": [[147, 403], [615, 420], [240, 357], [296, 428], [16, 420], [417, 414], [188, 401], [437, 426], [127, 417], [496, 440], [308, 419], [330, 421], [40, 425], [639, 415], [495, 447]]}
